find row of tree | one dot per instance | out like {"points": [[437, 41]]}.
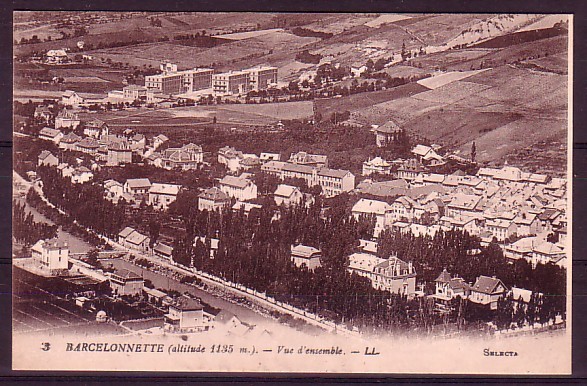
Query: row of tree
{"points": [[25, 229]]}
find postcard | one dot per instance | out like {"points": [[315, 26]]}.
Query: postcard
{"points": [[293, 193]]}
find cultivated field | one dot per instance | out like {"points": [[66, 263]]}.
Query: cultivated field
{"points": [[287, 110], [439, 80]]}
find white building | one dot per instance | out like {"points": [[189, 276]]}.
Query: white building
{"points": [[302, 255], [287, 195], [53, 254], [237, 187], [381, 211], [161, 195]]}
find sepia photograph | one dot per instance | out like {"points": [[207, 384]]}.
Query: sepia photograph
{"points": [[345, 193]]}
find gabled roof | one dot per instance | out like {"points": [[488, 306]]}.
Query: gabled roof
{"points": [[548, 248], [304, 251], [95, 124], [465, 201], [487, 285], [126, 232], [371, 206], [444, 277], [163, 249], [169, 189], [214, 194], [334, 173], [136, 238], [126, 274], [69, 93], [71, 138], [225, 316], [388, 127], [49, 132], [137, 183], [161, 137], [44, 154], [187, 304], [285, 190], [235, 182]]}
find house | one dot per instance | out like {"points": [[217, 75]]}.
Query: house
{"points": [[463, 205], [119, 153], [155, 296], [138, 241], [380, 210], [246, 207], [303, 158], [302, 255], [56, 56], [335, 182], [67, 119], [470, 224], [88, 146], [114, 190], [126, 283], [81, 175], [363, 264], [487, 290], [96, 129], [187, 157], [387, 133], [123, 234], [546, 252], [159, 140], [163, 250], [527, 224], [210, 243], [69, 141], [46, 158], [52, 254], [230, 323], [50, 134], [185, 315], [547, 218], [240, 188], [248, 162], [410, 170], [65, 169], [405, 208], [43, 113], [130, 238], [212, 199], [137, 143], [501, 229], [427, 156], [396, 276], [448, 287], [71, 98], [265, 157], [376, 165], [161, 195], [134, 92], [287, 195], [137, 186]]}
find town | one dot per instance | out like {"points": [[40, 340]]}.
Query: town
{"points": [[320, 223]]}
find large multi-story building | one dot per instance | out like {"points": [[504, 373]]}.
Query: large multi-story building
{"points": [[261, 77], [232, 82], [172, 81], [332, 181]]}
